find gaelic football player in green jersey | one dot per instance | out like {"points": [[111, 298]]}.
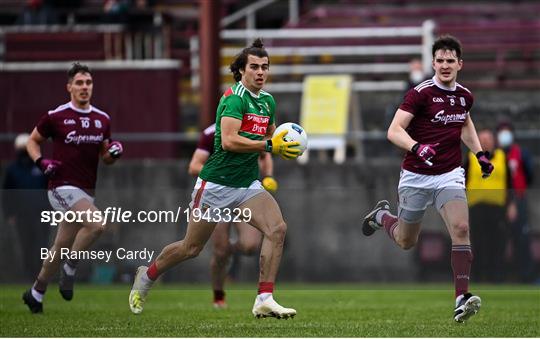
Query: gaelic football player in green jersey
{"points": [[228, 187]]}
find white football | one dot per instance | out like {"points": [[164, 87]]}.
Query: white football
{"points": [[295, 132]]}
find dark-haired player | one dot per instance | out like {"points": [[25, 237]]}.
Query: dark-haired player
{"points": [[249, 238], [430, 124], [245, 122], [81, 134]]}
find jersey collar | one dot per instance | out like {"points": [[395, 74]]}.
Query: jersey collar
{"points": [[250, 92], [441, 86], [76, 109]]}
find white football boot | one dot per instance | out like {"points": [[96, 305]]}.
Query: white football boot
{"points": [[139, 291], [270, 308], [467, 305]]}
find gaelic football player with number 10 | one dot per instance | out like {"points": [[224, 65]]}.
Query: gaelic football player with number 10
{"points": [[81, 135]]}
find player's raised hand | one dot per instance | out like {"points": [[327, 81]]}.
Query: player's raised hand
{"points": [[115, 149], [270, 184], [48, 166], [486, 165], [286, 149], [425, 152]]}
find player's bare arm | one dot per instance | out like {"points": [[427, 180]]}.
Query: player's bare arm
{"points": [[470, 137], [233, 142], [105, 156], [397, 133], [197, 161], [33, 147], [266, 165], [270, 131]]}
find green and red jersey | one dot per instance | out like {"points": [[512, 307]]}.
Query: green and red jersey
{"points": [[257, 113]]}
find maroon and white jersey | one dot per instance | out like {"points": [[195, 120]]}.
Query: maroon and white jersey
{"points": [[206, 140], [439, 114], [77, 136]]}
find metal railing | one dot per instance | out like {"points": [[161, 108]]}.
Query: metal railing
{"points": [[422, 50], [249, 13]]}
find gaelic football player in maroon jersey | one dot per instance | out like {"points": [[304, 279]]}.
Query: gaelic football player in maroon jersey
{"points": [[430, 124], [81, 134]]}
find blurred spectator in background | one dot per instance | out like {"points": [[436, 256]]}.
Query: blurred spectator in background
{"points": [[116, 10], [521, 172], [142, 4], [38, 12], [416, 76], [489, 202], [416, 73], [24, 196]]}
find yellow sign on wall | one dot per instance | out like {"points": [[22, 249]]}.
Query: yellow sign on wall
{"points": [[325, 104]]}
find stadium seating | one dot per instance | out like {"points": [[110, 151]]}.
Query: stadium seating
{"points": [[501, 39]]}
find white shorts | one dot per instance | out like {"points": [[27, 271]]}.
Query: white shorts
{"points": [[62, 198], [214, 196], [418, 191], [455, 179]]}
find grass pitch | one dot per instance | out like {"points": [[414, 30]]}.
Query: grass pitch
{"points": [[323, 311]]}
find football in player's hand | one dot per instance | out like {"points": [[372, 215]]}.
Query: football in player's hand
{"points": [[294, 133]]}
